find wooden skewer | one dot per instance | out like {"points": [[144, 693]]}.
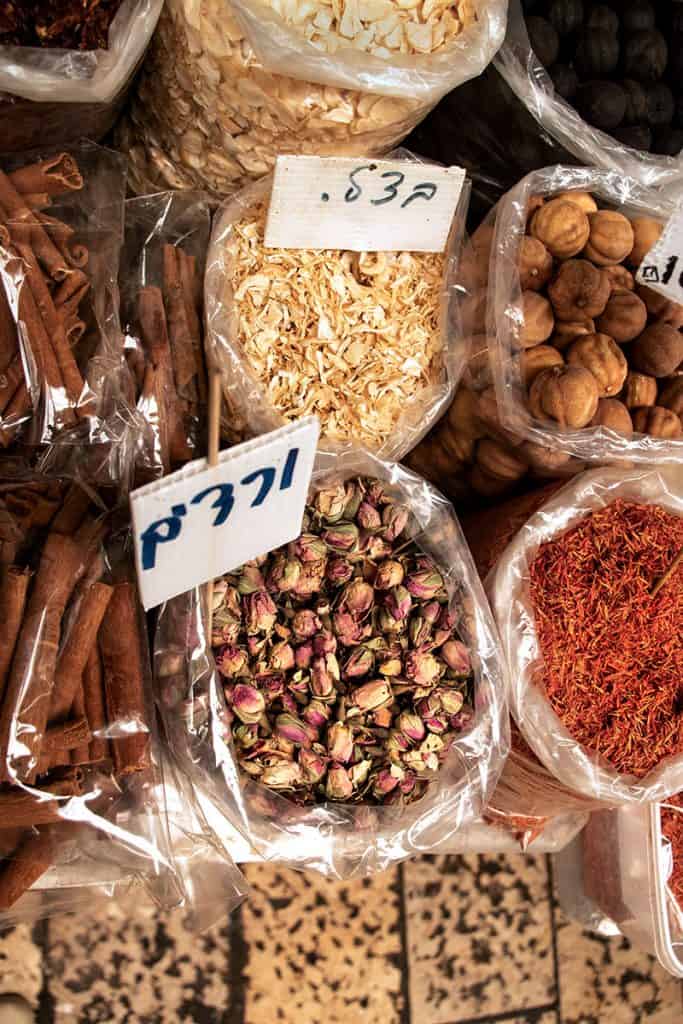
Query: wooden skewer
{"points": [[215, 398], [668, 574]]}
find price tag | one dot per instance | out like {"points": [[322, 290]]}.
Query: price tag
{"points": [[361, 204], [203, 521], [662, 268]]}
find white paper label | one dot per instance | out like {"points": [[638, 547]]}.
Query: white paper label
{"points": [[203, 521], [662, 268], [361, 204]]}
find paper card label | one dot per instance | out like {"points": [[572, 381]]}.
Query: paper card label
{"points": [[203, 521], [662, 268], [361, 204]]}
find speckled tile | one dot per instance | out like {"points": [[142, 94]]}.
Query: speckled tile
{"points": [[479, 936], [21, 970], [606, 979], [321, 951], [113, 968]]}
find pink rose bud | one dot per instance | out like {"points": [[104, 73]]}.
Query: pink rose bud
{"points": [[358, 597], [305, 624], [457, 657], [316, 713], [339, 570], [293, 729], [384, 783], [260, 612], [310, 548], [282, 657], [395, 520], [399, 603], [389, 574], [303, 655], [340, 742], [342, 537], [330, 502], [359, 663], [371, 695], [325, 643], [247, 703], [312, 765], [250, 580], [368, 517], [286, 775], [425, 584], [338, 784], [411, 726], [422, 668], [231, 661]]}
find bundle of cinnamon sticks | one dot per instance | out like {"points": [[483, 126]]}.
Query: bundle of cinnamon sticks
{"points": [[165, 355], [43, 285], [72, 687]]}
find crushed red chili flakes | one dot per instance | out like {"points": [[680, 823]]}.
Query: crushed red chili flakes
{"points": [[613, 651], [672, 829], [60, 24]]}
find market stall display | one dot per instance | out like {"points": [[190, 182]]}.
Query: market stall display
{"points": [[228, 85], [66, 67]]}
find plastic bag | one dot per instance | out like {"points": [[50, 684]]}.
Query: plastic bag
{"points": [[582, 774], [210, 113], [529, 80], [53, 97], [78, 746], [162, 271], [250, 405], [60, 338], [336, 839], [506, 317]]}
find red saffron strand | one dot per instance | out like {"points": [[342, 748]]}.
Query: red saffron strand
{"points": [[612, 650]]}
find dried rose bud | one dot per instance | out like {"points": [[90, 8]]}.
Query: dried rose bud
{"points": [[293, 729], [424, 669], [338, 785], [325, 643], [371, 695], [388, 622], [305, 624], [303, 655], [457, 657], [407, 783], [395, 520], [382, 717], [231, 661], [247, 703], [312, 765], [339, 571], [284, 574], [359, 773], [419, 631], [340, 742], [436, 724], [368, 517], [376, 493], [282, 657], [250, 580], [451, 700], [330, 502], [310, 579], [358, 663], [347, 630], [316, 713], [399, 603], [375, 547], [425, 583], [225, 628], [322, 681], [389, 574], [273, 688], [256, 645], [462, 719], [341, 537], [246, 736], [397, 742], [260, 612], [390, 667], [411, 726], [384, 783], [310, 548], [287, 775], [354, 497], [358, 597], [431, 612], [447, 618]]}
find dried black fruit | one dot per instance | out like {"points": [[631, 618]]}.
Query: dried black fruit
{"points": [[636, 101], [637, 136], [638, 16], [660, 104], [603, 17], [645, 55], [545, 41], [565, 80], [603, 104], [565, 15], [668, 141], [597, 53]]}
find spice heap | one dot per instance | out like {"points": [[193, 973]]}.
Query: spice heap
{"points": [[672, 830], [381, 27], [611, 639], [164, 351], [43, 284], [597, 350], [343, 672], [71, 668], [58, 24], [351, 337]]}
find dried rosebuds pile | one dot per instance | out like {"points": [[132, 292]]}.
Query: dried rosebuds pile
{"points": [[343, 673]]}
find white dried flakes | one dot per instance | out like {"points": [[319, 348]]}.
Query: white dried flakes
{"points": [[351, 337]]}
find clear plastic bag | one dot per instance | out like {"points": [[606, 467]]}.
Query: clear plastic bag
{"points": [[249, 404], [62, 348], [529, 80], [283, 48], [82, 795], [51, 96], [506, 317], [210, 113], [162, 270], [336, 839], [582, 775]]}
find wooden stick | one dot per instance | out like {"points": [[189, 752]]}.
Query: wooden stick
{"points": [[215, 400], [668, 574]]}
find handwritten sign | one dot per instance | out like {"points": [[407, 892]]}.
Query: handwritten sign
{"points": [[361, 204], [203, 521], [662, 268]]}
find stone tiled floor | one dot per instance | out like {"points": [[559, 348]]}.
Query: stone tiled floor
{"points": [[440, 940]]}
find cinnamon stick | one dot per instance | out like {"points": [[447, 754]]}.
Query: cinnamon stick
{"points": [[72, 511], [188, 279], [75, 651], [13, 588], [9, 344], [23, 716], [66, 736], [158, 385], [10, 379], [71, 292], [9, 840], [80, 753], [179, 332], [93, 700], [26, 228], [22, 808], [121, 649], [14, 414], [37, 200], [54, 176], [31, 860]]}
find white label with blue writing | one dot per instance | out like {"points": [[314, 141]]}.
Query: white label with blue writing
{"points": [[662, 268], [361, 204], [203, 521]]}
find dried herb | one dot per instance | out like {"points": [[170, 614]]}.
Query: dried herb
{"points": [[58, 24], [672, 830], [612, 649], [343, 672]]}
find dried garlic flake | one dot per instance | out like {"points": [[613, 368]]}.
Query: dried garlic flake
{"points": [[351, 337], [380, 27]]}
